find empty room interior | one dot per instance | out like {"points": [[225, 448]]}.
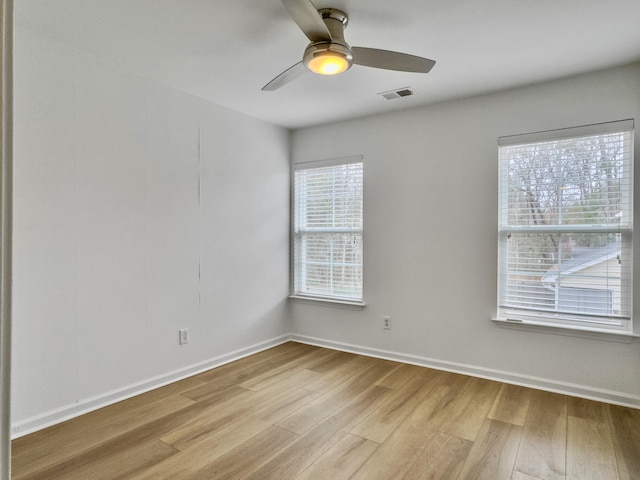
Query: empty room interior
{"points": [[346, 239]]}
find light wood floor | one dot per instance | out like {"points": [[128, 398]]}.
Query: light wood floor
{"points": [[298, 412]]}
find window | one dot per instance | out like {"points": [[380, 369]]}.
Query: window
{"points": [[565, 227], [327, 230]]}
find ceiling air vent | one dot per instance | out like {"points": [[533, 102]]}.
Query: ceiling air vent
{"points": [[398, 93]]}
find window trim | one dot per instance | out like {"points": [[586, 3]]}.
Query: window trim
{"points": [[321, 300], [582, 332], [539, 320]]}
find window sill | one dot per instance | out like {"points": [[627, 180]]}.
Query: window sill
{"points": [[593, 334], [329, 302]]}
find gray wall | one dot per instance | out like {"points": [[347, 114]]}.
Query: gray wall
{"points": [[139, 211], [431, 240]]}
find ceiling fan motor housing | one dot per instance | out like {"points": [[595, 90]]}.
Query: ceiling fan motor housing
{"points": [[336, 21], [330, 54]]}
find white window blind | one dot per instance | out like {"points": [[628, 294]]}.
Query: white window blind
{"points": [[327, 229], [565, 227]]}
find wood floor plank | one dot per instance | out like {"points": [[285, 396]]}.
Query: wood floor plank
{"points": [[493, 454], [224, 414], [106, 466], [511, 405], [220, 442], [625, 430], [57, 433], [341, 374], [382, 422], [216, 417], [302, 453], [542, 449], [333, 362], [523, 476], [282, 372], [298, 379], [466, 413], [590, 453], [397, 454], [235, 366], [400, 376], [247, 457], [327, 404], [121, 445], [175, 388], [587, 409], [75, 439], [442, 457], [341, 460], [547, 403], [274, 354], [313, 444], [233, 374]]}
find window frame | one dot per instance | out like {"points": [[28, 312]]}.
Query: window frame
{"points": [[319, 299], [544, 319]]}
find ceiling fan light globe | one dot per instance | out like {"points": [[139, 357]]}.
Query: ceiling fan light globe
{"points": [[327, 58], [328, 63]]}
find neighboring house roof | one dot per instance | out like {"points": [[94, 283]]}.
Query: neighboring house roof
{"points": [[582, 257]]}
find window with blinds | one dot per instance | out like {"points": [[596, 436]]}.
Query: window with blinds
{"points": [[327, 229], [565, 227]]}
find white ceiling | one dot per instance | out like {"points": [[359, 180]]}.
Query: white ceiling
{"points": [[226, 50]]}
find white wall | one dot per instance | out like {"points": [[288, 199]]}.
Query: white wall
{"points": [[139, 210], [431, 241]]}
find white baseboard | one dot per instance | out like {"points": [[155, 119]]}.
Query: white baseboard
{"points": [[574, 390], [67, 412]]}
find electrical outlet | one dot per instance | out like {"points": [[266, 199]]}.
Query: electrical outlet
{"points": [[183, 335], [386, 323]]}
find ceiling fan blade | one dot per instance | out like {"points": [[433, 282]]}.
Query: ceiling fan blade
{"points": [[289, 75], [308, 19], [372, 57]]}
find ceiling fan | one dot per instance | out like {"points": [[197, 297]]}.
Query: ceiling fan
{"points": [[328, 53]]}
